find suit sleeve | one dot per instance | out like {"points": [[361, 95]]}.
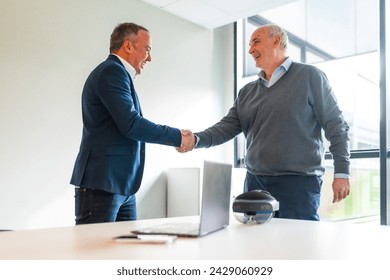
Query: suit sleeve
{"points": [[115, 93]]}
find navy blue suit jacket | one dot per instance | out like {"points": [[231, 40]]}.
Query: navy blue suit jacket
{"points": [[112, 150]]}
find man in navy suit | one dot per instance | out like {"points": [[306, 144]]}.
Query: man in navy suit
{"points": [[109, 166]]}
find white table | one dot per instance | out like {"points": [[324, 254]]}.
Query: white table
{"points": [[280, 239]]}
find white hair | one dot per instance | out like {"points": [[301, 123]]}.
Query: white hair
{"points": [[274, 30]]}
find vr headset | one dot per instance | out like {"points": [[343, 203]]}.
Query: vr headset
{"points": [[256, 206]]}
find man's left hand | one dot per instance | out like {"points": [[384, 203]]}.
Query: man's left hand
{"points": [[341, 189]]}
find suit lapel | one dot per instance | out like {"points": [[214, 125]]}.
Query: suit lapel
{"points": [[135, 97]]}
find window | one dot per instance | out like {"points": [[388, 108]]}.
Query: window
{"points": [[341, 38]]}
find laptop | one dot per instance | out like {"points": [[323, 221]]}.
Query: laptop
{"points": [[215, 205]]}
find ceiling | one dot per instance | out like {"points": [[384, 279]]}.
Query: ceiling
{"points": [[214, 13]]}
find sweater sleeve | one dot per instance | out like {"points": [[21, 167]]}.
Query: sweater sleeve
{"points": [[224, 130], [332, 121]]}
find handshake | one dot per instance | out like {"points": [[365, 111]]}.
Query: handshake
{"points": [[187, 141]]}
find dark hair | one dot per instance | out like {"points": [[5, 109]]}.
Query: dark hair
{"points": [[123, 31]]}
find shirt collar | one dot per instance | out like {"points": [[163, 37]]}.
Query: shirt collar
{"points": [[130, 69], [286, 65], [277, 74]]}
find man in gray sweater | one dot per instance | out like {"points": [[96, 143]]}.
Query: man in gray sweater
{"points": [[282, 115]]}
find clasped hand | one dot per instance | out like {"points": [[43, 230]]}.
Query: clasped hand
{"points": [[187, 141]]}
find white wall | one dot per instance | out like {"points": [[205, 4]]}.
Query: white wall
{"points": [[47, 49]]}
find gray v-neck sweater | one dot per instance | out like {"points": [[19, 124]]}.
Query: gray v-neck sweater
{"points": [[283, 125]]}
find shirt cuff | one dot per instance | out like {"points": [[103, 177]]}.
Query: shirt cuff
{"points": [[341, 175], [196, 140]]}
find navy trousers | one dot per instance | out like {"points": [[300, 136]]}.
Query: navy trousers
{"points": [[298, 196]]}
